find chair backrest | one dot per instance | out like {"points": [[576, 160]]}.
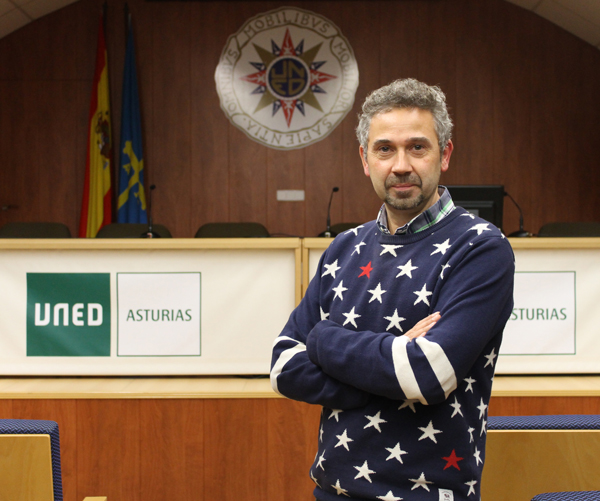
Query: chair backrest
{"points": [[35, 230], [578, 229], [568, 496], [232, 230], [30, 460], [131, 230], [528, 455]]}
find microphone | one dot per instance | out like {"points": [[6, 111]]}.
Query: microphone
{"points": [[327, 233], [521, 232], [149, 233]]}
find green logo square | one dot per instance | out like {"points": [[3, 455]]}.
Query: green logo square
{"points": [[68, 314]]}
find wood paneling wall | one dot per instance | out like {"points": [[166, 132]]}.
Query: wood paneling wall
{"points": [[205, 450], [522, 92]]}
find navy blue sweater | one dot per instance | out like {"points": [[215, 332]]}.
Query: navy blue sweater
{"points": [[401, 419]]}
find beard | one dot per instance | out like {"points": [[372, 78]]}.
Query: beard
{"points": [[403, 201]]}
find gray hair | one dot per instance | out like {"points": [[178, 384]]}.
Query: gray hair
{"points": [[406, 93]]}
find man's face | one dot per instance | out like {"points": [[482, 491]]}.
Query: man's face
{"points": [[404, 162]]}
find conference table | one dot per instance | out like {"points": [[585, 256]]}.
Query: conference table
{"points": [[206, 425]]}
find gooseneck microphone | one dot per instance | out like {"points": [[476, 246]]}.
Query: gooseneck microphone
{"points": [[327, 233], [521, 232], [150, 233]]}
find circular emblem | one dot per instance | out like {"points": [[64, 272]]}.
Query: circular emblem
{"points": [[287, 78]]}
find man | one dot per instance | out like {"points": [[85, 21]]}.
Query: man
{"points": [[398, 334]]}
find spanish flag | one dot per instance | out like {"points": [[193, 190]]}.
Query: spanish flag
{"points": [[96, 209]]}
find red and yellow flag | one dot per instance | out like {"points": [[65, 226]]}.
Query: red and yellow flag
{"points": [[96, 209]]}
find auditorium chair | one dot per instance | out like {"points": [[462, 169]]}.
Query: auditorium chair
{"points": [[528, 455], [232, 230], [578, 229], [131, 230], [30, 461], [35, 230], [568, 496]]}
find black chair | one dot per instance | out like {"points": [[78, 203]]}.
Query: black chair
{"points": [[578, 229], [232, 230], [35, 230], [131, 230]]}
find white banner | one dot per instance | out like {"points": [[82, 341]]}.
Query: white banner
{"points": [[149, 311]]}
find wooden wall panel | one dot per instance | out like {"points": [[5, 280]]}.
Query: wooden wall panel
{"points": [[520, 91], [235, 458], [172, 449], [293, 430], [109, 449]]}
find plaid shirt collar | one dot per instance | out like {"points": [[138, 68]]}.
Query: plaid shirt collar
{"points": [[426, 219]]}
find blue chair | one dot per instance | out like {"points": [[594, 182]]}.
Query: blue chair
{"points": [[568, 496], [529, 455], [30, 444]]}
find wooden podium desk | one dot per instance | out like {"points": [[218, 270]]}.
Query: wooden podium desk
{"points": [[207, 438]]}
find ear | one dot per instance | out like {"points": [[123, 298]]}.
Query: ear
{"points": [[446, 154], [361, 151]]}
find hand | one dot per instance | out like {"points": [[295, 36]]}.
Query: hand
{"points": [[422, 327]]}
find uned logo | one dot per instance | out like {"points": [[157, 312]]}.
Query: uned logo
{"points": [[68, 314]]}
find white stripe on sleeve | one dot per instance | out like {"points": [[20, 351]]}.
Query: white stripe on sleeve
{"points": [[284, 358], [440, 364], [404, 372]]}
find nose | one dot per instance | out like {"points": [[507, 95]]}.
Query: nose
{"points": [[401, 163]]}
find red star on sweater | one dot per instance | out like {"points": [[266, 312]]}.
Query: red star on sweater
{"points": [[366, 270], [452, 460]]}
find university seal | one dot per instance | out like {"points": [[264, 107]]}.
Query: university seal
{"points": [[287, 78]]}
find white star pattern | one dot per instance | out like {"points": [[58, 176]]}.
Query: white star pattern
{"points": [[324, 315], [377, 293], [357, 247], [407, 269], [456, 406], [471, 430], [483, 427], [444, 268], [394, 321], [344, 440], [443, 247], [390, 248], [314, 479], [482, 407], [375, 421], [490, 358], [331, 269], [477, 456], [389, 497], [339, 489], [355, 230], [422, 295], [470, 382], [335, 413], [471, 485], [480, 228], [321, 434], [468, 214], [429, 432], [364, 472], [351, 316], [339, 290], [410, 404], [395, 453], [420, 482], [321, 461]]}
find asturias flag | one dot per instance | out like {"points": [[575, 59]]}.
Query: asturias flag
{"points": [[96, 208], [132, 201]]}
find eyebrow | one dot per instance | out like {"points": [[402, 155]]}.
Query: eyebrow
{"points": [[416, 139]]}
